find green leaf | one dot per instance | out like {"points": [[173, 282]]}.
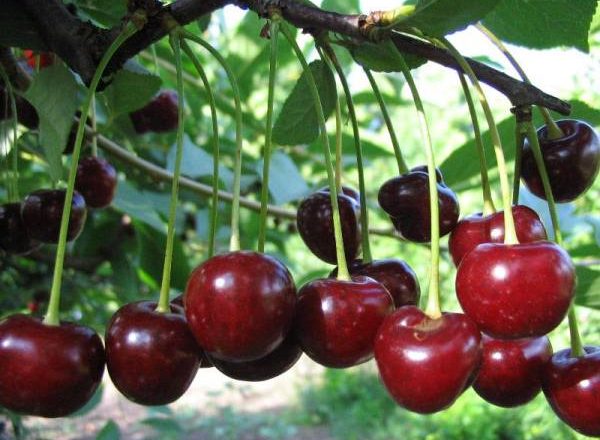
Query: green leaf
{"points": [[286, 184], [138, 205], [541, 24], [110, 431], [53, 93], [587, 292], [297, 122], [106, 13], [132, 88], [341, 6], [203, 22], [168, 428], [383, 57]]}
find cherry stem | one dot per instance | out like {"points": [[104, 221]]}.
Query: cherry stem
{"points": [[433, 309], [52, 315], [338, 146], [554, 131], [215, 147], [488, 203], [402, 167], [12, 176], [234, 244], [343, 273], [519, 142], [364, 212], [576, 343], [264, 196], [510, 234], [94, 128]]}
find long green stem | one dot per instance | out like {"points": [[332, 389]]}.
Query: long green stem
{"points": [[433, 300], [338, 146], [510, 234], [237, 168], [13, 176], [488, 203], [343, 273], [264, 196], [52, 315], [212, 233], [94, 128], [519, 142], [402, 168]]}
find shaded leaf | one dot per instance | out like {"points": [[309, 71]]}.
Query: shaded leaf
{"points": [[286, 184], [588, 287], [110, 431], [132, 88], [383, 57]]}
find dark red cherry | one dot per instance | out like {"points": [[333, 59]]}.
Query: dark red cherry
{"points": [[572, 387], [26, 113], [426, 363], [240, 305], [42, 211], [336, 321], [96, 181], [406, 200], [159, 115], [350, 192], [315, 225], [477, 229], [511, 372], [516, 291], [423, 168], [152, 357], [48, 371], [572, 161], [205, 362], [272, 365], [13, 234]]}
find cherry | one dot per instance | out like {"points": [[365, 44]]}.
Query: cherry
{"points": [[395, 275], [272, 365], [48, 371], [476, 229], [240, 305], [406, 200], [152, 357], [426, 363], [96, 181], [510, 374], [336, 321], [42, 211], [26, 113], [46, 58], [572, 387], [315, 225], [572, 161], [159, 115], [13, 234], [516, 291], [205, 362]]}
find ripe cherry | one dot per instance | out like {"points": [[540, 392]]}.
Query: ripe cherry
{"points": [[42, 211], [477, 229], [426, 363], [26, 113], [572, 387], [205, 362], [315, 225], [46, 58], [96, 181], [14, 238], [511, 372], [336, 321], [240, 305], [48, 371], [159, 115], [516, 291], [152, 357]]}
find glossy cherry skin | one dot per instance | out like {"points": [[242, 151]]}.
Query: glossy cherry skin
{"points": [[42, 211], [272, 365], [425, 363], [477, 229], [240, 305], [336, 321], [205, 362], [152, 357], [48, 371], [396, 276], [511, 371], [406, 200], [516, 291], [13, 234], [572, 387], [96, 181], [315, 225], [159, 115], [26, 113], [572, 161]]}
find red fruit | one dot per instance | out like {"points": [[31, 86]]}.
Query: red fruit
{"points": [[48, 371], [152, 357], [425, 363], [511, 372], [240, 305], [96, 181], [572, 387], [516, 291], [13, 234], [26, 113], [477, 229], [46, 58], [159, 115], [336, 321], [205, 362]]}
